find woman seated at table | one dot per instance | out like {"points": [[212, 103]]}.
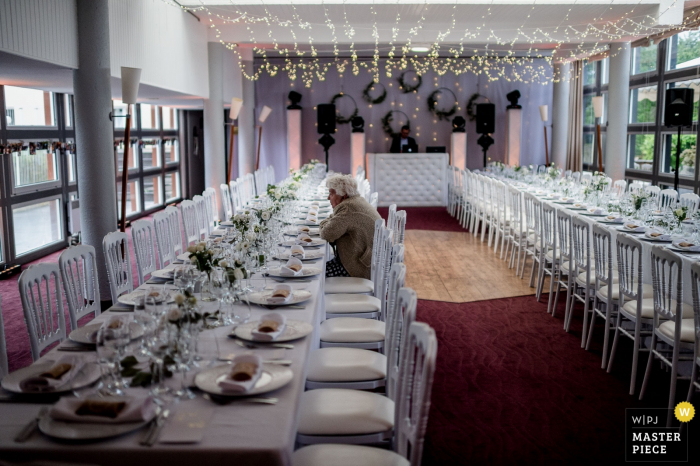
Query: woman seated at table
{"points": [[350, 229]]}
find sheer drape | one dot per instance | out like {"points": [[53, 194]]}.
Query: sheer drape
{"points": [[574, 143]]}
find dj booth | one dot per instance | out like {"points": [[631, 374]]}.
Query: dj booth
{"points": [[409, 180]]}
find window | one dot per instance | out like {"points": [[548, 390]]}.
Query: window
{"points": [[68, 110], [643, 105], [684, 50], [687, 154], [133, 156], [172, 186], [152, 191], [37, 225], [119, 111], [171, 150], [589, 73], [640, 148], [29, 107], [596, 78], [169, 118], [693, 84], [588, 113], [643, 59], [150, 152], [133, 198], [70, 160], [34, 167], [590, 148], [149, 116]]}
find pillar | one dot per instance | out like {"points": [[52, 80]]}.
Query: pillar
{"points": [[615, 151], [459, 150], [246, 119], [93, 131], [214, 139], [357, 152], [514, 129], [293, 138], [560, 114]]}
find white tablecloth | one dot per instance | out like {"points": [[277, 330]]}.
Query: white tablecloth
{"points": [[237, 434]]}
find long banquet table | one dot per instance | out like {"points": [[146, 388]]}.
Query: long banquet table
{"points": [[239, 433]]}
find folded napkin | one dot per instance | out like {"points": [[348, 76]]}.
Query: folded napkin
{"points": [[568, 200], [631, 226], [556, 196], [657, 234], [311, 219], [615, 218], [579, 205], [297, 251], [595, 211], [303, 229], [246, 371], [60, 373], [102, 411], [686, 245], [280, 294], [271, 326], [303, 238], [313, 208], [292, 268], [315, 203]]}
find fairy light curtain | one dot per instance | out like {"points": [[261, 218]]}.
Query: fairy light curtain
{"points": [[426, 128]]}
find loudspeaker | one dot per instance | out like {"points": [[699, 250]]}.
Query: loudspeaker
{"points": [[325, 117], [485, 118], [678, 107]]}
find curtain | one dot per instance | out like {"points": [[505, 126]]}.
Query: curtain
{"points": [[574, 142]]}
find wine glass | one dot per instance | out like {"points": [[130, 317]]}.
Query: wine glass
{"points": [[112, 339]]}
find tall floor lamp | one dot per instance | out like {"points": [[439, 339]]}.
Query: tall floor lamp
{"points": [[543, 115], [130, 91], [236, 104], [264, 113], [598, 112]]}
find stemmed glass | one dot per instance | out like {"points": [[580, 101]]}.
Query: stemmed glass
{"points": [[110, 345]]}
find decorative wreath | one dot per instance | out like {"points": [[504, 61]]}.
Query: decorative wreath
{"points": [[388, 118], [471, 109], [432, 104], [406, 88], [369, 98], [340, 119]]}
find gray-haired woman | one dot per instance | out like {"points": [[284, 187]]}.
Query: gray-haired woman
{"points": [[350, 228]]}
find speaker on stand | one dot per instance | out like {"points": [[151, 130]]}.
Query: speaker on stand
{"points": [[678, 111], [325, 119], [485, 125]]}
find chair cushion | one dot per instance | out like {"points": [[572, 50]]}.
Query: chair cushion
{"points": [[335, 285], [582, 277], [345, 365], [343, 303], [668, 329], [648, 308], [647, 292], [338, 411], [352, 330], [346, 455]]}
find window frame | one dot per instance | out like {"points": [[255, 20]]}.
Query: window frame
{"points": [[597, 89]]}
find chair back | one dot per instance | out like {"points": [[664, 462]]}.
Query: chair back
{"points": [[576, 176], [515, 210], [567, 174], [400, 227], [374, 199], [143, 240], [41, 293], [403, 314], [653, 193], [689, 200], [635, 187], [533, 211], [695, 284], [391, 217], [376, 247], [164, 244], [564, 234], [397, 279], [666, 279], [629, 268], [549, 227], [118, 264], [212, 207], [79, 275], [602, 258], [581, 250], [188, 212], [202, 216], [619, 187], [226, 201], [175, 230], [234, 188], [4, 366], [383, 264], [667, 198], [416, 384]]}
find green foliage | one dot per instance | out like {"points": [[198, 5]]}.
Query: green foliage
{"points": [[646, 111], [688, 46], [647, 59]]}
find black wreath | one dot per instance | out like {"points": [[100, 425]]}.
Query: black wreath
{"points": [[341, 120], [432, 104], [471, 111], [388, 118], [405, 88], [369, 99]]}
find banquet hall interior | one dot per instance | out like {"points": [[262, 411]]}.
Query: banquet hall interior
{"points": [[340, 232]]}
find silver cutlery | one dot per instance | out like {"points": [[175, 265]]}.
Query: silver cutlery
{"points": [[76, 349], [248, 345], [154, 432], [28, 430], [228, 400], [279, 362]]}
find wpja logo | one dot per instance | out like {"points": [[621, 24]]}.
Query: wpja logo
{"points": [[649, 439]]}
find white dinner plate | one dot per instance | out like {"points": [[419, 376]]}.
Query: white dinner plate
{"points": [[639, 229], [130, 298], [169, 271], [260, 297], [294, 231], [305, 272], [87, 375], [293, 330], [304, 222], [88, 334], [87, 430], [310, 255], [185, 257], [313, 244], [273, 376]]}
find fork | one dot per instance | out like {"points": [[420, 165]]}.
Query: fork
{"points": [[247, 345], [219, 400]]}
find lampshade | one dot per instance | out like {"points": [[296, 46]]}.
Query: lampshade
{"points": [[131, 77], [264, 113], [598, 106], [543, 112], [236, 104]]}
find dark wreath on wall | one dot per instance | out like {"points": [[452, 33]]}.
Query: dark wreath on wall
{"points": [[374, 100], [388, 118], [442, 114], [471, 105], [340, 119], [407, 88]]}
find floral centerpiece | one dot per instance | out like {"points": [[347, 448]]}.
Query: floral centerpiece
{"points": [[681, 213], [638, 199], [598, 183], [202, 257], [234, 270]]}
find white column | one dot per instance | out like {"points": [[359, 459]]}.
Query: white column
{"points": [[514, 128], [214, 140], [615, 151], [93, 131], [293, 138], [246, 122], [459, 150], [560, 114], [357, 152]]}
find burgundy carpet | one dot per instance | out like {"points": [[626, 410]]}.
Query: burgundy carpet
{"points": [[512, 387], [426, 218]]}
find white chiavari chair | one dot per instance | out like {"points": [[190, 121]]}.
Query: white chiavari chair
{"points": [[635, 187], [226, 201], [234, 189], [586, 177], [260, 182], [374, 199], [550, 258], [576, 176], [143, 240], [619, 187], [564, 276], [584, 283], [209, 195], [200, 205], [498, 195], [391, 217], [533, 215], [79, 276], [653, 193], [673, 321], [250, 187], [115, 246], [695, 374], [4, 366], [466, 199], [689, 200], [164, 243], [478, 204], [567, 174], [489, 218], [400, 227], [356, 285], [516, 237], [667, 198], [175, 230], [41, 294]]}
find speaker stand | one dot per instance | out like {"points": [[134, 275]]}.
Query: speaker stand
{"points": [[485, 142], [326, 141]]}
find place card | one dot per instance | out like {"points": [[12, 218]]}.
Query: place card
{"points": [[187, 425]]}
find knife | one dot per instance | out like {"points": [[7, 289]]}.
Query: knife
{"points": [[28, 430]]}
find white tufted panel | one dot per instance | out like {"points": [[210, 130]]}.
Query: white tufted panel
{"points": [[409, 179]]}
